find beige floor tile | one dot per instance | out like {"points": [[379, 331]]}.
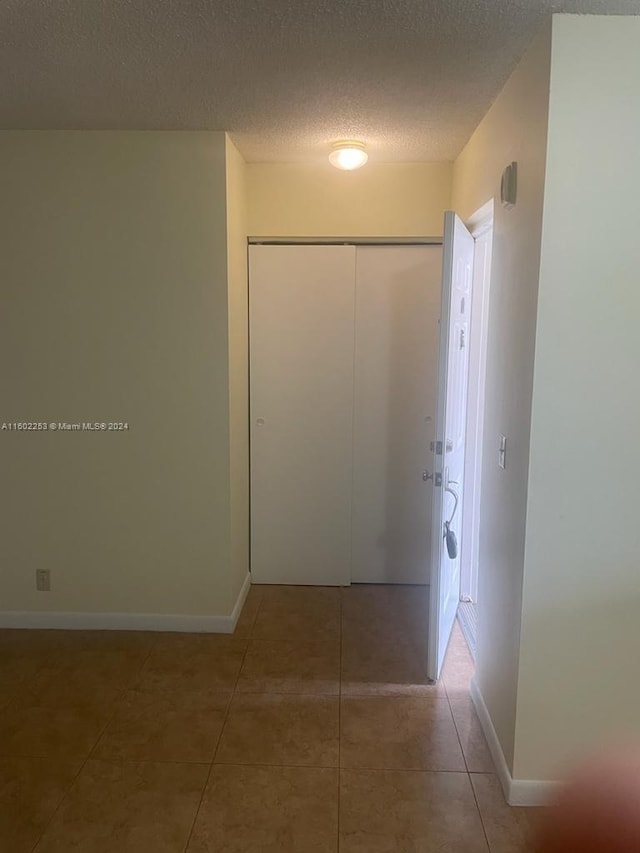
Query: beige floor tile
{"points": [[299, 597], [391, 614], [474, 745], [127, 807], [398, 733], [369, 598], [182, 727], [457, 678], [268, 809], [291, 667], [22, 656], [192, 662], [377, 667], [244, 624], [22, 640], [84, 678], [255, 593], [279, 729], [509, 830], [6, 697], [296, 612], [408, 812], [30, 791], [458, 667], [395, 630], [248, 613], [31, 729], [457, 647], [132, 643]]}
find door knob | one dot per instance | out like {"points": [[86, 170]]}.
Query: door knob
{"points": [[427, 476]]}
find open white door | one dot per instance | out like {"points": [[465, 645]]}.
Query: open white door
{"points": [[449, 446]]}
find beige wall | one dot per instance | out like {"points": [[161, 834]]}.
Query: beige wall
{"points": [[238, 364], [379, 200], [114, 276], [580, 635], [514, 129]]}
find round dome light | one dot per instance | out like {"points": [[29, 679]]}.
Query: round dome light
{"points": [[348, 155]]}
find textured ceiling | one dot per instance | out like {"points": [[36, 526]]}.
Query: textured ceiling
{"points": [[412, 78]]}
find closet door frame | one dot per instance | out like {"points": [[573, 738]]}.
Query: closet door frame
{"points": [[339, 577]]}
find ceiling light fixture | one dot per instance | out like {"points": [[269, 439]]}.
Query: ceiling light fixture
{"points": [[348, 155]]}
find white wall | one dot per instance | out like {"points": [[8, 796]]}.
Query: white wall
{"points": [[379, 200], [514, 129], [114, 279], [578, 680]]}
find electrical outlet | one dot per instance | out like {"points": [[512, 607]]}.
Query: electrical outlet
{"points": [[43, 580]]}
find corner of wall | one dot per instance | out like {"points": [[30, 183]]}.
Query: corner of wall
{"points": [[517, 792], [238, 322]]}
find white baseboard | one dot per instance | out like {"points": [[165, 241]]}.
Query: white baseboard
{"points": [[181, 622], [240, 600], [517, 792]]}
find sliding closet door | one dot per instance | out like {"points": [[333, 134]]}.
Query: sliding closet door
{"points": [[301, 332], [397, 311]]}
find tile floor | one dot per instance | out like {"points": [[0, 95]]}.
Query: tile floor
{"points": [[311, 730]]}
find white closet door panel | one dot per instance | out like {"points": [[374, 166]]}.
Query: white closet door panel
{"points": [[301, 331], [397, 311]]}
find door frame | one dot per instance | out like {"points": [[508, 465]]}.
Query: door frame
{"points": [[480, 226], [457, 277]]}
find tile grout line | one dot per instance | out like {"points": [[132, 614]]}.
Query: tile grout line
{"points": [[222, 727], [475, 798], [365, 769], [464, 757], [92, 750], [455, 725]]}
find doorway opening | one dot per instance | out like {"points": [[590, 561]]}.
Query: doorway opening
{"points": [[337, 343], [457, 450], [480, 226]]}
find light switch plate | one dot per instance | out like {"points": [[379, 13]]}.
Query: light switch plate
{"points": [[502, 451]]}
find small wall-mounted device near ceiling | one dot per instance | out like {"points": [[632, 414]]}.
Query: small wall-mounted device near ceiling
{"points": [[509, 186], [348, 155]]}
